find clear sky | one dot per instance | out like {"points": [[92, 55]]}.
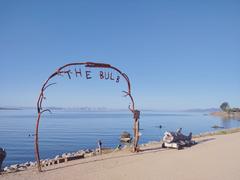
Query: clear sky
{"points": [[177, 54]]}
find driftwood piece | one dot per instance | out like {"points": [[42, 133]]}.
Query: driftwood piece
{"points": [[177, 140], [171, 137]]}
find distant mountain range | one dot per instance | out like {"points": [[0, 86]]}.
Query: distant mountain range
{"points": [[6, 108], [202, 110], [65, 108], [110, 109]]}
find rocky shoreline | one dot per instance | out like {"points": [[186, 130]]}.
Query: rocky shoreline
{"points": [[65, 157]]}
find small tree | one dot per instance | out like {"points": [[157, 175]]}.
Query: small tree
{"points": [[225, 107]]}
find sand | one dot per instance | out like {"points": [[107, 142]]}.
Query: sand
{"points": [[214, 158]]}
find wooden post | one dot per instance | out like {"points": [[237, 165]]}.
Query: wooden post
{"points": [[100, 146], [136, 130]]}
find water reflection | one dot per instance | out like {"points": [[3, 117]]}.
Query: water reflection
{"points": [[226, 123], [230, 118]]}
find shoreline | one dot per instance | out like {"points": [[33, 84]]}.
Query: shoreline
{"points": [[152, 131], [82, 155], [214, 157], [226, 115]]}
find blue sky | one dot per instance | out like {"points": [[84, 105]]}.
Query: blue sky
{"points": [[177, 54]]}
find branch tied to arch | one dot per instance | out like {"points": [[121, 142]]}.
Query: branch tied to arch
{"points": [[74, 69]]}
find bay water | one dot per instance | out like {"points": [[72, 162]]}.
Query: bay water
{"points": [[70, 131]]}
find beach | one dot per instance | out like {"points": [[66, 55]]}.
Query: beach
{"points": [[214, 157]]}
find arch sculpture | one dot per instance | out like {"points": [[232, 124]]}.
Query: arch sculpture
{"points": [[68, 71]]}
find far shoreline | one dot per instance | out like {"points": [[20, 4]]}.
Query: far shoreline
{"points": [[226, 115], [9, 109]]}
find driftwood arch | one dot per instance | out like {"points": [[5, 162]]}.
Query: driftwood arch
{"points": [[65, 70]]}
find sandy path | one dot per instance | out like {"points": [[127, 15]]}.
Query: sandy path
{"points": [[215, 157]]}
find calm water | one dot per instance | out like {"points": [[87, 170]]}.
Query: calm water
{"points": [[71, 131]]}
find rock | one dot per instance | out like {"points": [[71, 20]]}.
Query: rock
{"points": [[216, 126], [64, 155], [125, 137], [88, 151], [32, 163], [118, 147], [125, 134], [80, 152], [57, 157], [69, 155], [27, 164], [125, 140], [51, 162], [12, 168], [45, 161], [91, 154], [22, 168], [15, 166], [7, 169]]}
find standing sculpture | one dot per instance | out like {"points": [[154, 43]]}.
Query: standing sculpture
{"points": [[3, 155], [66, 70]]}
